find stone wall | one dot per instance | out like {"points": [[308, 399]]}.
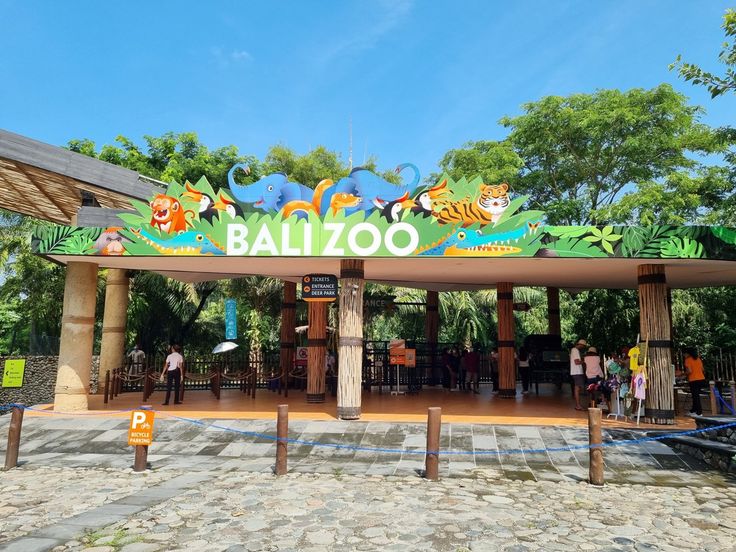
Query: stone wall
{"points": [[39, 380]]}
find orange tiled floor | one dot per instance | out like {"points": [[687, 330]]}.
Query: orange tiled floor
{"points": [[550, 408]]}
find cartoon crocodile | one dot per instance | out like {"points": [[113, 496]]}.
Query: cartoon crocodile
{"points": [[476, 244], [185, 243]]}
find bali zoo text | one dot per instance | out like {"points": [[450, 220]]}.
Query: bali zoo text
{"points": [[400, 239]]}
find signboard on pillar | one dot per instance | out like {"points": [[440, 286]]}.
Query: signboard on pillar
{"points": [[522, 307], [140, 431], [319, 287], [13, 372], [231, 319]]}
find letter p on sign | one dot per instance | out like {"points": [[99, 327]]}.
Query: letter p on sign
{"points": [[141, 428]]}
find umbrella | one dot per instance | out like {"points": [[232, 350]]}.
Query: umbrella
{"points": [[224, 347]]}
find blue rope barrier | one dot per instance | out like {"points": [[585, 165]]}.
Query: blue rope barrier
{"points": [[358, 448], [723, 401]]}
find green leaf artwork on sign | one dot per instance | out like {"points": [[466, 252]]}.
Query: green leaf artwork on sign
{"points": [[682, 248]]}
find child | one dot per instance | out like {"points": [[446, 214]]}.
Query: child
{"points": [[593, 375]]}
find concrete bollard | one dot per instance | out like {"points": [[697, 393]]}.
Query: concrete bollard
{"points": [[432, 458], [141, 458], [713, 400], [16, 424], [595, 439], [282, 433]]}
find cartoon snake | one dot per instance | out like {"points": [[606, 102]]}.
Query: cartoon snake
{"points": [[323, 192]]}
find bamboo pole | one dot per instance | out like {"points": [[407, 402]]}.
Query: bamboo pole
{"points": [[506, 344], [553, 311], [288, 323], [316, 349], [654, 322], [350, 346], [431, 332]]}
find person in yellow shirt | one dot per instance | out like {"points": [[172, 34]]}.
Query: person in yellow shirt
{"points": [[695, 377]]}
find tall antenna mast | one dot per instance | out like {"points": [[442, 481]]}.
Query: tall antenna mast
{"points": [[350, 150]]}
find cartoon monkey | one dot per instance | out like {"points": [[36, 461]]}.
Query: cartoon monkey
{"points": [[168, 215]]}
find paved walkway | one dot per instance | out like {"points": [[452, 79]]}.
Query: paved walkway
{"points": [[211, 489], [86, 441]]}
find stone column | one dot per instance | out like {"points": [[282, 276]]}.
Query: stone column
{"points": [[77, 337], [350, 352], [506, 343], [288, 321], [553, 311], [316, 350], [655, 327], [112, 348], [431, 332]]}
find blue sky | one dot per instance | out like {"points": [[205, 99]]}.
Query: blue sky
{"points": [[417, 77]]}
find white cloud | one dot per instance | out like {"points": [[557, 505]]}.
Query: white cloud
{"points": [[388, 15], [225, 58]]}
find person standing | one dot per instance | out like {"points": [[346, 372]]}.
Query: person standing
{"points": [[472, 365], [593, 376], [695, 377], [525, 370], [174, 369], [137, 358], [577, 371]]}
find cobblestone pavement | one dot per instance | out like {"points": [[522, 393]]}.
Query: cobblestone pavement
{"points": [[228, 510], [210, 489], [102, 442]]}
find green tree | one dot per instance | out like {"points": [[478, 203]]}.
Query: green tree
{"points": [[494, 161], [581, 153], [715, 84]]}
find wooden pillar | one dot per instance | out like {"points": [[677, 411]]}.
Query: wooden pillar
{"points": [[112, 348], [506, 343], [350, 351], [288, 322], [553, 311], [316, 349], [77, 336], [654, 323], [431, 332]]}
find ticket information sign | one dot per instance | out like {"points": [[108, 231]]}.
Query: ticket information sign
{"points": [[397, 351], [141, 428], [319, 287], [410, 358], [13, 372]]}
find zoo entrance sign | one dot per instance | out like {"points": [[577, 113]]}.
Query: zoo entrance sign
{"points": [[363, 215]]}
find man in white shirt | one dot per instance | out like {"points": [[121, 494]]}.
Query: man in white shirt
{"points": [[174, 369], [577, 370]]}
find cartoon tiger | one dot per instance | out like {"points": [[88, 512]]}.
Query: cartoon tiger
{"points": [[487, 208]]}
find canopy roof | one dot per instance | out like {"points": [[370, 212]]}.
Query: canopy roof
{"points": [[195, 233], [52, 183], [453, 235]]}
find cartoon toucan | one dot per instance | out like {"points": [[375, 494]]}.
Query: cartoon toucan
{"points": [[391, 210], [423, 200], [209, 208]]}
